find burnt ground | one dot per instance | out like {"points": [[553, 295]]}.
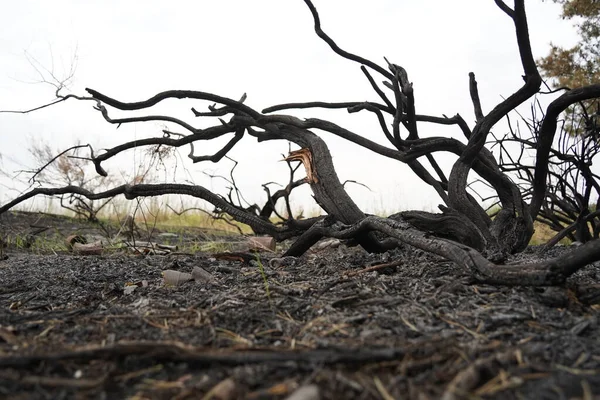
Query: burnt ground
{"points": [[72, 327]]}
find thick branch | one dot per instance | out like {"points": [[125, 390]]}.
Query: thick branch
{"points": [[551, 272], [460, 170]]}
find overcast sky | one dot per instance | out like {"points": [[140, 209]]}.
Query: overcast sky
{"points": [[267, 49]]}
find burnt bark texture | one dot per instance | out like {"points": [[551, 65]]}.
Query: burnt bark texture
{"points": [[463, 232]]}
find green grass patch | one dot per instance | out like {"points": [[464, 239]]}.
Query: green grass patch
{"points": [[261, 269]]}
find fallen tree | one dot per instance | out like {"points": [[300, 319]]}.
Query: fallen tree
{"points": [[463, 232]]}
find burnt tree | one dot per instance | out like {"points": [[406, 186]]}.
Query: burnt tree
{"points": [[463, 232], [572, 199]]}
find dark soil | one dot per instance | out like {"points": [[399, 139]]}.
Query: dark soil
{"points": [[418, 328]]}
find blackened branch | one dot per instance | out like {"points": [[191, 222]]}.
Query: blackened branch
{"points": [[502, 5], [206, 134], [149, 190], [323, 104], [546, 138], [172, 94], [377, 89], [239, 134], [552, 272], [145, 118], [380, 118], [337, 49], [475, 97]]}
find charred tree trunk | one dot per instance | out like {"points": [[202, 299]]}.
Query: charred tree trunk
{"points": [[328, 191]]}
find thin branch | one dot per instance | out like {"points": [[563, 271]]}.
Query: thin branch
{"points": [[43, 167], [546, 138], [324, 104], [148, 190], [239, 134], [475, 97], [172, 94], [337, 49], [509, 11]]}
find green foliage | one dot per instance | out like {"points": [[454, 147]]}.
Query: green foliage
{"points": [[579, 65], [42, 244], [261, 268]]}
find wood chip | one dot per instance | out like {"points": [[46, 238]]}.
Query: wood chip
{"points": [[88, 249], [223, 390], [175, 278], [306, 392], [71, 240], [201, 275], [261, 243]]}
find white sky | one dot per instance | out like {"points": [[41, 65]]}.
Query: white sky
{"points": [[267, 49]]}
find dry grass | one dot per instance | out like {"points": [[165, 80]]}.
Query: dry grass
{"points": [[154, 212], [543, 233]]}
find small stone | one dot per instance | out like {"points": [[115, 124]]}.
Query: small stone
{"points": [[201, 275]]}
